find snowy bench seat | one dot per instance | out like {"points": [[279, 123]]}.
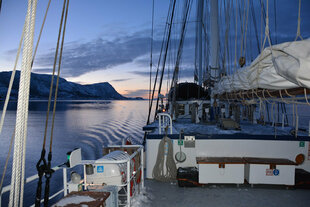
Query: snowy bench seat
{"points": [[229, 170], [276, 171], [83, 198]]}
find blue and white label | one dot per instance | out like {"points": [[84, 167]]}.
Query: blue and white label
{"points": [[276, 172], [100, 169]]}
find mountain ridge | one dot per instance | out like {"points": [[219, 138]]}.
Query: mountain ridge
{"points": [[40, 85]]}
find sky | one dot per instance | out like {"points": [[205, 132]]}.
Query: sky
{"points": [[109, 40]]}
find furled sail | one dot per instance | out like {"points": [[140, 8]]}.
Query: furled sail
{"points": [[282, 66]]}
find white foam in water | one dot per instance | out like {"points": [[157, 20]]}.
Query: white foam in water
{"points": [[73, 200]]}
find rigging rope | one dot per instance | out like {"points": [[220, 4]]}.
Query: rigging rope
{"points": [[174, 81], [42, 166], [298, 24], [156, 76], [246, 28], [17, 179], [7, 98], [275, 20], [165, 57], [41, 30], [255, 25], [49, 170], [9, 92], [242, 22], [7, 161], [151, 55], [15, 65]]}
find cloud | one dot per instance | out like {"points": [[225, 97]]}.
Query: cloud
{"points": [[134, 46], [121, 80], [97, 54], [11, 52], [42, 70], [137, 93], [185, 73]]}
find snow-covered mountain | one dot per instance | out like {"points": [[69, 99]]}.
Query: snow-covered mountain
{"points": [[40, 85]]}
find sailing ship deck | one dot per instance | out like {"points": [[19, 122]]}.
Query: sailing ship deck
{"points": [[164, 194], [212, 131]]}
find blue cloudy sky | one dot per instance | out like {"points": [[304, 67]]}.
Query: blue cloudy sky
{"points": [[109, 40]]}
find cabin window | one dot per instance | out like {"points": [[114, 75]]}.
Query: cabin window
{"points": [[181, 109]]}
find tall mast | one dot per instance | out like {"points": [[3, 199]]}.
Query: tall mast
{"points": [[199, 36], [214, 41]]}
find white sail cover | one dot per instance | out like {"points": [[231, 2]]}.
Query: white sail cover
{"points": [[285, 66]]}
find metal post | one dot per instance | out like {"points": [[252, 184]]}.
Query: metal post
{"points": [[64, 170], [296, 129], [142, 166], [159, 121], [214, 39], [199, 35], [309, 130], [128, 184], [84, 167]]}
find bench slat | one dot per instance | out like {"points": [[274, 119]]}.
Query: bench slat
{"points": [[275, 161], [218, 160]]}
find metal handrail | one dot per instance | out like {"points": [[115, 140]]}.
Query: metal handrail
{"points": [[30, 179], [161, 118], [128, 161], [84, 162]]}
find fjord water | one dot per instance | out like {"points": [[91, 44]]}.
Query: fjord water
{"points": [[89, 125]]}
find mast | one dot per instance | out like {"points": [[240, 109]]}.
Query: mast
{"points": [[199, 36], [214, 41]]}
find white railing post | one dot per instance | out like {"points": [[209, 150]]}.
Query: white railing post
{"points": [[128, 183], [164, 119], [296, 128], [84, 168], [309, 129], [142, 167], [159, 121], [64, 172]]}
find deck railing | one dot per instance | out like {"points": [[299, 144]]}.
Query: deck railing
{"points": [[33, 178], [164, 121], [127, 185]]}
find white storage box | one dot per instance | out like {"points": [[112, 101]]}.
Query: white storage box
{"points": [[221, 170], [270, 171], [108, 174]]}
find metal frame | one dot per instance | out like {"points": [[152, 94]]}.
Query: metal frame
{"points": [[130, 176], [83, 162], [34, 177], [163, 122]]}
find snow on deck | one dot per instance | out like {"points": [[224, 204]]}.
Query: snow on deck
{"points": [[211, 129], [73, 200], [169, 194], [246, 128]]}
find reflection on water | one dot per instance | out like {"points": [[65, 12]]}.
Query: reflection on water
{"points": [[89, 125]]}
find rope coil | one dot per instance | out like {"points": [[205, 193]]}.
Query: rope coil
{"points": [[171, 170]]}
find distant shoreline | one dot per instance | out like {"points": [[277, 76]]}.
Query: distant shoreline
{"points": [[78, 100]]}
